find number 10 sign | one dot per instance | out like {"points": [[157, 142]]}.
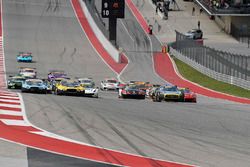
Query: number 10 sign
{"points": [[113, 8]]}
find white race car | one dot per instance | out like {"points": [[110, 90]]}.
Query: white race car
{"points": [[110, 84], [28, 72], [91, 91], [86, 81]]}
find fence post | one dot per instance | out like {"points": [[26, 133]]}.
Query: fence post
{"points": [[248, 42]]}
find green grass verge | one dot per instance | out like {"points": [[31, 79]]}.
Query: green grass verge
{"points": [[195, 76]]}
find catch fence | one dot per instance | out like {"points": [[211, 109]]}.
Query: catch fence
{"points": [[224, 66]]}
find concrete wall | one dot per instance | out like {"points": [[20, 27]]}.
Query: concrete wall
{"points": [[114, 53], [224, 22]]}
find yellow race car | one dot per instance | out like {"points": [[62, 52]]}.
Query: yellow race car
{"points": [[69, 87]]}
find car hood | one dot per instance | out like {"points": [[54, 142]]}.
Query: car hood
{"points": [[171, 92], [189, 34], [38, 86]]}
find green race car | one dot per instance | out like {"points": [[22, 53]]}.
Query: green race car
{"points": [[15, 82]]}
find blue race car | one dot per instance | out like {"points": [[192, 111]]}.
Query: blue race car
{"points": [[24, 57], [34, 86]]}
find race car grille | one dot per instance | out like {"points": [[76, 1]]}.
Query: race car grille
{"points": [[71, 90], [133, 92], [34, 88], [171, 96]]}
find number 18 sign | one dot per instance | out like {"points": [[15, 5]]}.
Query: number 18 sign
{"points": [[113, 8]]}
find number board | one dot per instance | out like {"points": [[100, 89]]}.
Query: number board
{"points": [[113, 8]]}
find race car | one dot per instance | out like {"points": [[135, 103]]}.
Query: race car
{"points": [[132, 91], [53, 74], [24, 57], [48, 84], [28, 72], [69, 87], [168, 93], [189, 96], [56, 81], [141, 84], [15, 82], [109, 84], [34, 86], [91, 91], [150, 91], [86, 82]]}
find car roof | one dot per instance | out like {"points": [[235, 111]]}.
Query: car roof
{"points": [[113, 79], [25, 55], [27, 68], [34, 80], [85, 79], [56, 71], [17, 77]]}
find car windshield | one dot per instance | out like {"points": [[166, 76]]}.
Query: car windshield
{"points": [[17, 80], [141, 86], [88, 86], [39, 83], [186, 91], [85, 81], [132, 87], [30, 71], [70, 83], [111, 81], [25, 55], [170, 88]]}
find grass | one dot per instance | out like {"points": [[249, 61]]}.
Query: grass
{"points": [[195, 76]]}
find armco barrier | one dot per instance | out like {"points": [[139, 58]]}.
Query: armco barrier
{"points": [[213, 74], [105, 42]]}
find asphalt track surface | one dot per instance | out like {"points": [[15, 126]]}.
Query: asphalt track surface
{"points": [[210, 133]]}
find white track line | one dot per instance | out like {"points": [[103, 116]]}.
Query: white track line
{"points": [[9, 100], [13, 113], [9, 105], [11, 122]]}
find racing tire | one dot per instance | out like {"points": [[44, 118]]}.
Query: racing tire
{"points": [[153, 98], [57, 93], [143, 97], [95, 96], [123, 96], [157, 98], [23, 91], [181, 99]]}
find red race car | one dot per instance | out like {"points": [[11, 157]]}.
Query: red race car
{"points": [[132, 91], [189, 96]]}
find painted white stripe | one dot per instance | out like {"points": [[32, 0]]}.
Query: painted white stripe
{"points": [[10, 100], [12, 122], [10, 97], [9, 105], [14, 113], [48, 134]]}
